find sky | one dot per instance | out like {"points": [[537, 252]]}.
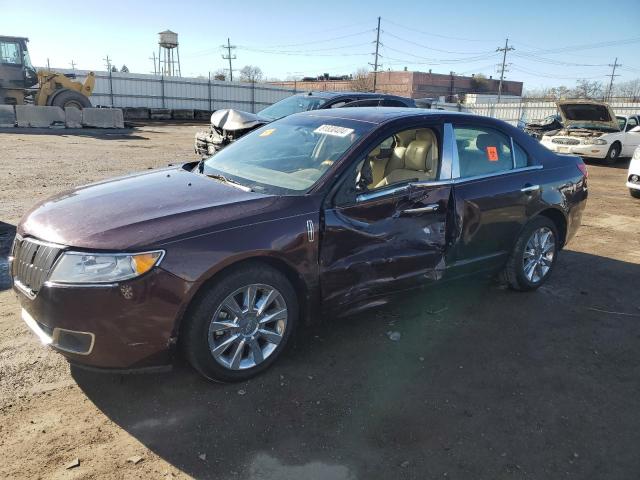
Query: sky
{"points": [[556, 42]]}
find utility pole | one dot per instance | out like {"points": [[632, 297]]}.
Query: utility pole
{"points": [[48, 66], [504, 61], [229, 57], [73, 65], [613, 74], [375, 63], [155, 70], [108, 63]]}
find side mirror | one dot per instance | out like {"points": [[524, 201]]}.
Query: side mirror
{"points": [[635, 129]]}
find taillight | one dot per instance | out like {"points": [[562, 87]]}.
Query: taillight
{"points": [[583, 168]]}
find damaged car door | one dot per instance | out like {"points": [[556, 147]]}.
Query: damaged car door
{"points": [[385, 228]]}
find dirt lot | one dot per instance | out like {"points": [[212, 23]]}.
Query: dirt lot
{"points": [[484, 383]]}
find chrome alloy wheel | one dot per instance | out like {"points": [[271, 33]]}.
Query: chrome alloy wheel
{"points": [[538, 254], [247, 326]]}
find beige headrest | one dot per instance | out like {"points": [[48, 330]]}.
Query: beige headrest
{"points": [[425, 134], [415, 158]]}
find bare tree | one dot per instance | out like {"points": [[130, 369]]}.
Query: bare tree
{"points": [[362, 81], [220, 74], [588, 89], [250, 73], [124, 69], [629, 89]]}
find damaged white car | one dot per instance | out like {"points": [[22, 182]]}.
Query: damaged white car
{"points": [[592, 130]]}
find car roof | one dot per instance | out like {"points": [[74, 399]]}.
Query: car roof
{"points": [[378, 115], [350, 94]]}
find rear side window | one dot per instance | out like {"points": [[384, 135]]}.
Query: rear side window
{"points": [[520, 156], [483, 151]]}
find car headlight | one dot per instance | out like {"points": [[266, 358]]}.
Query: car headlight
{"points": [[82, 267], [595, 141]]}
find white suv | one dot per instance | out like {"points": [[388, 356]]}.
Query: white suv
{"points": [[633, 175], [591, 129]]}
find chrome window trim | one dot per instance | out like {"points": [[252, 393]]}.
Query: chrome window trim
{"points": [[381, 193], [513, 154], [497, 174]]}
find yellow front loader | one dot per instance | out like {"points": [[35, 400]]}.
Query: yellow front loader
{"points": [[20, 83]]}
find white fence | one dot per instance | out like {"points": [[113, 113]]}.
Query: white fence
{"points": [[535, 110], [155, 91]]}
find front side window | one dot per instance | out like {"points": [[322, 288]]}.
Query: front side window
{"points": [[482, 151], [287, 156], [10, 53], [622, 121], [633, 122], [407, 156]]}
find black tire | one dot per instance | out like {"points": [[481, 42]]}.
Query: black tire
{"points": [[70, 98], [514, 271], [195, 338], [635, 193], [613, 154]]}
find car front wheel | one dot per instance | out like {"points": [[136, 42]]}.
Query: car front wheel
{"points": [[634, 193], [612, 154], [533, 257], [241, 324]]}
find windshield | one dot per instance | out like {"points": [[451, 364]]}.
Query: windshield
{"points": [[287, 156], [291, 105]]}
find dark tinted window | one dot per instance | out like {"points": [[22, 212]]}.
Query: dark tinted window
{"points": [[392, 103]]}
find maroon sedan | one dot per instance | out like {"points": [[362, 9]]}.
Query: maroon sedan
{"points": [[318, 214]]}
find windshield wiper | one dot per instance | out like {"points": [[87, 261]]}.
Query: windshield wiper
{"points": [[233, 183]]}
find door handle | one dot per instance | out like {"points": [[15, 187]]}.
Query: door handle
{"points": [[530, 188], [416, 211]]}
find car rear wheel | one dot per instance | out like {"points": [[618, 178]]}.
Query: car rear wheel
{"points": [[612, 154], [241, 324], [533, 257], [634, 193]]}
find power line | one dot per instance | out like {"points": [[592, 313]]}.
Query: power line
{"points": [[376, 55], [302, 52], [613, 74], [229, 57], [436, 34], [504, 59], [431, 48]]}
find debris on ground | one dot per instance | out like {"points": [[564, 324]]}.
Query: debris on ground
{"points": [[241, 392], [394, 336], [136, 459], [203, 456], [73, 464]]}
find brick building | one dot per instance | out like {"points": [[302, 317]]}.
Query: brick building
{"points": [[417, 85]]}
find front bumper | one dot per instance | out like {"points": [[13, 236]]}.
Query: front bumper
{"points": [[129, 325], [591, 151]]}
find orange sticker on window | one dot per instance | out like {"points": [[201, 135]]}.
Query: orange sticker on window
{"points": [[492, 154]]}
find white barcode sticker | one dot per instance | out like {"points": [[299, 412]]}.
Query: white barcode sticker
{"points": [[334, 130]]}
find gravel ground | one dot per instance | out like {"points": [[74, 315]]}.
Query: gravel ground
{"points": [[483, 383]]}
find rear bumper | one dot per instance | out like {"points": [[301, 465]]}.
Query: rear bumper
{"points": [[130, 325]]}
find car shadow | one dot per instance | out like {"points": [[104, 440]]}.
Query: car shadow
{"points": [[7, 234], [482, 382]]}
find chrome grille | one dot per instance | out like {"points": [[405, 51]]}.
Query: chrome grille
{"points": [[32, 261], [566, 141]]}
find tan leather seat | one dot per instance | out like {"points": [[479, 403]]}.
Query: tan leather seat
{"points": [[420, 161]]}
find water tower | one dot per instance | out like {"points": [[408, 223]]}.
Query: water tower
{"points": [[167, 63]]}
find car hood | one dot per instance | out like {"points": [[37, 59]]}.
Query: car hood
{"points": [[587, 113], [141, 210], [232, 120]]}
